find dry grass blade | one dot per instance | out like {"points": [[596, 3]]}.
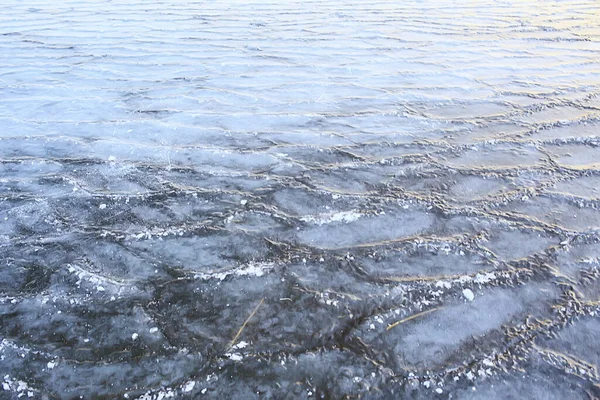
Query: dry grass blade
{"points": [[239, 332], [395, 324]]}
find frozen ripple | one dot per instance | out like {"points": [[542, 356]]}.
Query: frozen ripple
{"points": [[299, 199]]}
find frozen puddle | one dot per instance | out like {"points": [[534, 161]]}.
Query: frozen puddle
{"points": [[302, 199]]}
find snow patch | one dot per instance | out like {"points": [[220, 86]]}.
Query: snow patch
{"points": [[468, 293], [484, 278], [240, 345], [234, 356], [188, 387]]}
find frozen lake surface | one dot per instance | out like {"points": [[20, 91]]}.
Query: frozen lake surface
{"points": [[302, 199]]}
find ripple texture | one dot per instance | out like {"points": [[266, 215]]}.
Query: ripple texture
{"points": [[302, 199]]}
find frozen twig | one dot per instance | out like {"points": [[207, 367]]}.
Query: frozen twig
{"points": [[395, 324], [239, 332]]}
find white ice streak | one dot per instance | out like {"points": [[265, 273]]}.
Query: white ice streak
{"points": [[100, 282], [323, 219], [258, 269]]}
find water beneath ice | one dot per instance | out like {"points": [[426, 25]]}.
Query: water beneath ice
{"points": [[300, 199]]}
